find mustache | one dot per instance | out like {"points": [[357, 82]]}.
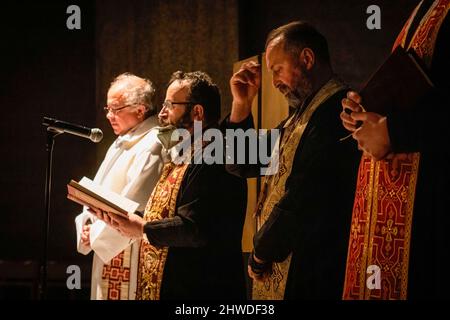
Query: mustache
{"points": [[163, 122], [283, 88], [184, 122]]}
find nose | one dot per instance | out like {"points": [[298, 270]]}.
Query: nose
{"points": [[275, 79], [163, 112], [109, 115]]}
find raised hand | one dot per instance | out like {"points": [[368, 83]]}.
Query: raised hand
{"points": [[244, 86]]}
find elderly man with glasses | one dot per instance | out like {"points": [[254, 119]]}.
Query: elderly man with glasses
{"points": [[131, 167]]}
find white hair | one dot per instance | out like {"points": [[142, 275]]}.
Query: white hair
{"points": [[137, 91]]}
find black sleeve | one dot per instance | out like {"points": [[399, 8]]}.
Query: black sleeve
{"points": [[187, 227], [252, 165], [210, 211], [180, 231]]}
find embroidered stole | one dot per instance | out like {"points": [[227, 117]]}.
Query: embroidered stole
{"points": [[116, 277], [273, 187], [115, 283], [162, 204], [383, 209]]}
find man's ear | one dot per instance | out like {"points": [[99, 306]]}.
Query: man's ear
{"points": [[308, 58], [198, 113], [140, 110]]}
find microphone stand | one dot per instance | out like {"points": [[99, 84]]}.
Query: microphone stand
{"points": [[42, 291]]}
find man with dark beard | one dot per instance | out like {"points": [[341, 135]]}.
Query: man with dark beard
{"points": [[304, 209], [190, 237]]}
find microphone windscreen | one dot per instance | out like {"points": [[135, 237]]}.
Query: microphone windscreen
{"points": [[96, 135]]}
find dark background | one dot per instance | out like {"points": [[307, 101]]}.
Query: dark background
{"points": [[48, 70]]}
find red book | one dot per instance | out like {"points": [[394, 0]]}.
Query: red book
{"points": [[398, 84]]}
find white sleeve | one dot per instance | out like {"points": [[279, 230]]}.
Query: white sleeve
{"points": [[106, 241], [141, 178], [84, 216]]}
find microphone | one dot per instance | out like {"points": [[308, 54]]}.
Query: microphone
{"points": [[94, 134]]}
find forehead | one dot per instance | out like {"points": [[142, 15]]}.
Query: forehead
{"points": [[177, 90], [275, 53], [117, 90]]}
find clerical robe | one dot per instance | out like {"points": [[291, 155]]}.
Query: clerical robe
{"points": [[131, 167], [304, 208], [192, 248], [399, 246]]}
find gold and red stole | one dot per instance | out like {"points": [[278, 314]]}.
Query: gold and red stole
{"points": [[162, 204], [273, 188], [383, 209]]}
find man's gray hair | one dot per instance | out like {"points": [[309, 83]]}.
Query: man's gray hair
{"points": [[137, 91]]}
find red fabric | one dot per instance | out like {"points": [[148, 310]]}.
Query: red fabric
{"points": [[116, 274], [382, 213]]}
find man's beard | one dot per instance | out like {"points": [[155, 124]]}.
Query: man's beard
{"points": [[185, 122], [168, 128], [302, 88], [295, 99]]}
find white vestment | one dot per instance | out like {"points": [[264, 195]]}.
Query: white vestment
{"points": [[131, 167]]}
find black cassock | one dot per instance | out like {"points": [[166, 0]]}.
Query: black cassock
{"points": [[204, 237], [312, 219]]}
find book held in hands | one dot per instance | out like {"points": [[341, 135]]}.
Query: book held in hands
{"points": [[90, 194], [398, 84]]}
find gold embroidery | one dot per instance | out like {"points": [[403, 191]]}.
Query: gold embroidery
{"points": [[408, 223], [425, 36], [274, 188], [390, 199], [162, 204]]}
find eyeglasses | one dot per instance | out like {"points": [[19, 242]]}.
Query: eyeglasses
{"points": [[171, 105], [115, 111]]}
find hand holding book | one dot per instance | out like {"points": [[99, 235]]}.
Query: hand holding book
{"points": [[372, 137], [351, 104], [105, 216], [107, 242], [131, 226], [90, 194], [398, 84]]}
